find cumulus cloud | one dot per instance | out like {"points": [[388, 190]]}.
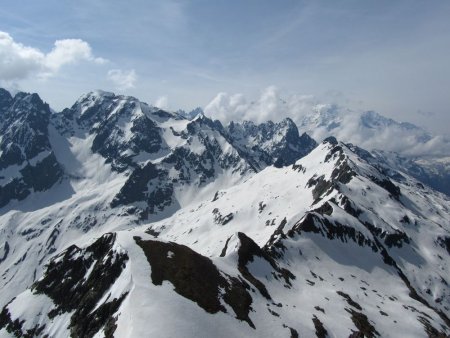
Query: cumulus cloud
{"points": [[70, 51], [321, 119], [226, 107], [18, 61], [270, 105], [162, 102], [122, 79]]}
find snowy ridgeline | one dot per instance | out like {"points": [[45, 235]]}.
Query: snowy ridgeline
{"points": [[152, 224]]}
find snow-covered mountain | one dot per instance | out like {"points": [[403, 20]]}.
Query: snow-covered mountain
{"points": [[157, 225], [114, 160]]}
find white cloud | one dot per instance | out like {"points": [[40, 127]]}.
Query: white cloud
{"points": [[392, 137], [162, 102], [70, 51], [227, 107], [122, 79], [271, 105], [18, 61]]}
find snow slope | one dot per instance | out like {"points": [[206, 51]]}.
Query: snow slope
{"points": [[329, 246]]}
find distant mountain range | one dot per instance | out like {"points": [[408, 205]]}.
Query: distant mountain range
{"points": [[120, 219]]}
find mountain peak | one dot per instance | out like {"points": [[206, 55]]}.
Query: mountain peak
{"points": [[5, 101], [192, 114], [199, 115], [331, 140], [195, 112], [98, 93], [5, 95], [97, 106], [32, 99], [288, 121]]}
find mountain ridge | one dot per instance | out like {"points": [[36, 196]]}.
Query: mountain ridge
{"points": [[167, 226]]}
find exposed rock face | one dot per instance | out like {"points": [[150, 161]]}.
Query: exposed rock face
{"points": [[271, 143], [27, 162], [24, 129], [76, 281], [39, 177], [5, 102], [188, 271]]}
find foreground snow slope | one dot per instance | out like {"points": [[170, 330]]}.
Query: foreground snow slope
{"points": [[329, 246]]}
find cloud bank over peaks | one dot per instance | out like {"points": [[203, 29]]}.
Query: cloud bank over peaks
{"points": [[18, 61], [320, 120], [269, 106]]}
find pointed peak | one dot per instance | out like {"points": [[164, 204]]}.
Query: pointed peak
{"points": [[95, 95], [5, 94], [5, 99], [102, 93], [20, 95], [190, 115], [288, 121], [30, 99], [306, 139], [331, 140], [287, 124], [199, 117], [196, 111]]}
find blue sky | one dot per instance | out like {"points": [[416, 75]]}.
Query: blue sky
{"points": [[388, 56]]}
